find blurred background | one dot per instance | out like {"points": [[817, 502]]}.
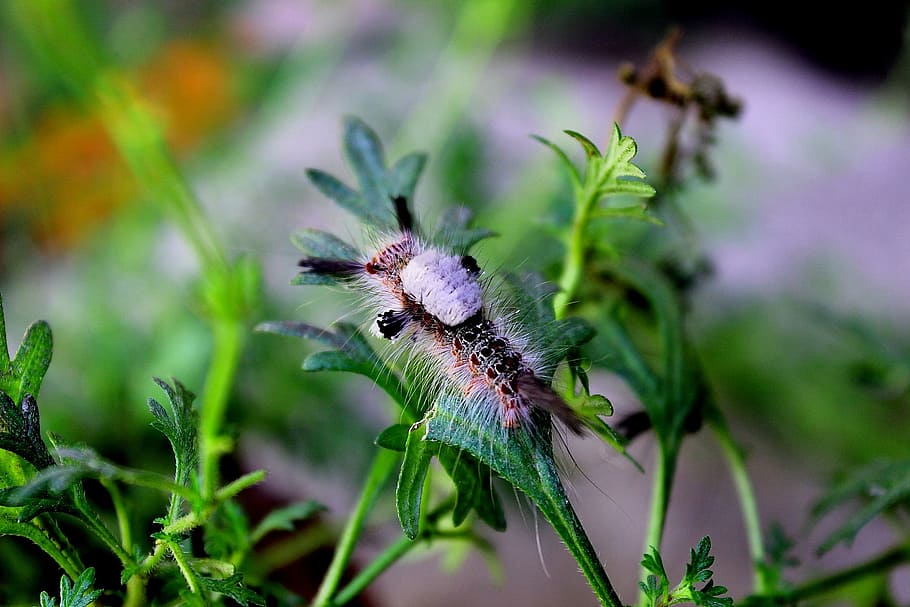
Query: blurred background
{"points": [[802, 324]]}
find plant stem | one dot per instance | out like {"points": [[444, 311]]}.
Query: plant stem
{"points": [[747, 502], [382, 562], [383, 465], [35, 531], [94, 523], [664, 466], [829, 583], [228, 337], [123, 522], [574, 265], [185, 568]]}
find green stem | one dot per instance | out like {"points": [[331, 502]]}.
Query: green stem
{"points": [[381, 470], [42, 537], [135, 591], [226, 348], [829, 583], [185, 568], [664, 466], [747, 503], [574, 265], [402, 546], [382, 562], [94, 523], [120, 510]]}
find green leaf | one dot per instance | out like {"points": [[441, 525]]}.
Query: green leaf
{"points": [[473, 488], [590, 149], [698, 569], [454, 232], [24, 373], [178, 423], [234, 588], [227, 532], [524, 458], [334, 360], [881, 487], [631, 188], [347, 198], [303, 331], [656, 585], [74, 594], [414, 468], [367, 158], [354, 355], [406, 173], [394, 438], [322, 244], [78, 464], [20, 431], [284, 518]]}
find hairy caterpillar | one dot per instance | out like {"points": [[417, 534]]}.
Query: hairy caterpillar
{"points": [[436, 299]]}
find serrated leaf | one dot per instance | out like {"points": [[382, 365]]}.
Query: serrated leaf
{"points": [[178, 423], [653, 562], [78, 593], [406, 173], [317, 243], [414, 468], [321, 280], [394, 438], [283, 519], [700, 562], [234, 588]]}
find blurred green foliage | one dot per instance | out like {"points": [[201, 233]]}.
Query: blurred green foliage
{"points": [[85, 246]]}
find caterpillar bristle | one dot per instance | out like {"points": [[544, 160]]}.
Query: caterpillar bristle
{"points": [[403, 214], [541, 396], [331, 267]]}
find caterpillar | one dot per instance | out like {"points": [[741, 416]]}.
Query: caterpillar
{"points": [[435, 298]]}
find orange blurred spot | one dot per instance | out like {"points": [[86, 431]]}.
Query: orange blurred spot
{"points": [[68, 176], [189, 84]]}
